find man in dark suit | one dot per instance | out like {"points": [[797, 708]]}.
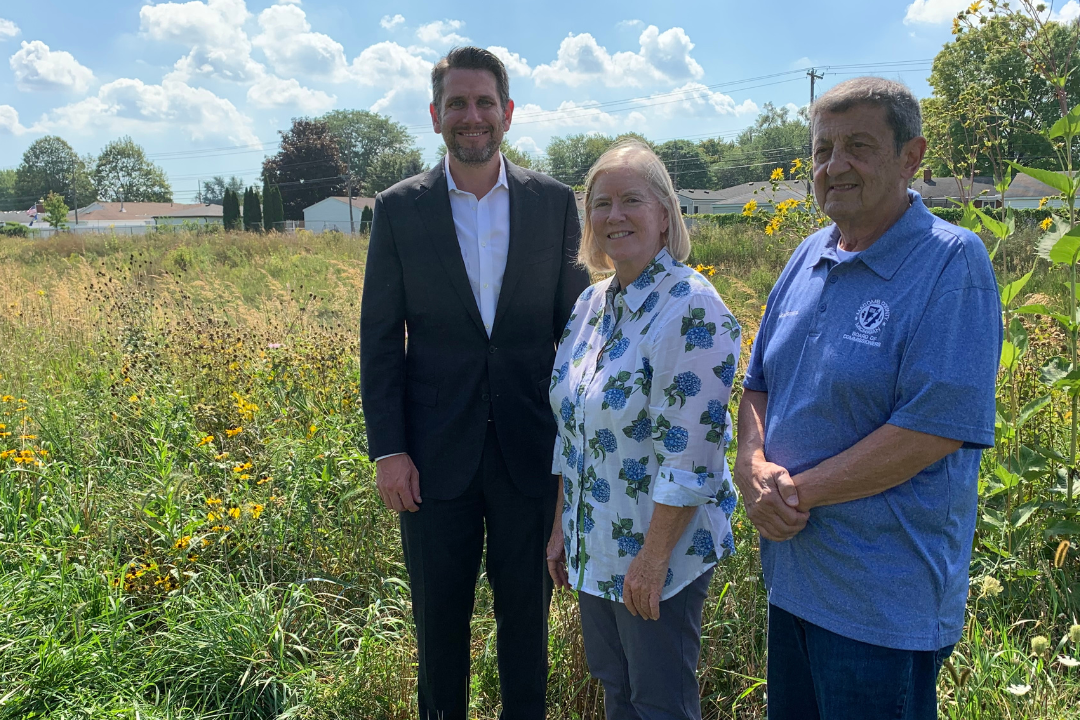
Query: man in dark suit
{"points": [[471, 276]]}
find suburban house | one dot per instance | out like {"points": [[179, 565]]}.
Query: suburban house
{"points": [[333, 214], [137, 217], [185, 214], [1023, 192], [734, 199]]}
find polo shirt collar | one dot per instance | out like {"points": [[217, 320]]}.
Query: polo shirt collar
{"points": [[654, 273], [890, 250], [452, 186]]}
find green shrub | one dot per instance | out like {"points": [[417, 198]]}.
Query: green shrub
{"points": [[13, 229]]}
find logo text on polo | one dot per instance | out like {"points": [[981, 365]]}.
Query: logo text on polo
{"points": [[871, 317]]}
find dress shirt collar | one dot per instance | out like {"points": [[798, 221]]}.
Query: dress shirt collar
{"points": [[890, 250], [639, 290], [453, 186]]}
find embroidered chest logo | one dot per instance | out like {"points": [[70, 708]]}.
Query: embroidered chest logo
{"points": [[871, 317]]}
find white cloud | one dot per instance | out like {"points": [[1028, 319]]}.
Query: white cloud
{"points": [[130, 105], [528, 146], [663, 56], [569, 114], [8, 29], [389, 23], [293, 49], [387, 64], [271, 91], [695, 100], [442, 32], [1068, 12], [9, 121], [516, 65], [214, 32], [793, 109], [801, 63], [629, 25], [36, 67], [933, 12]]}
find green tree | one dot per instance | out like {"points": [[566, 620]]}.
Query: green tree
{"points": [[230, 210], [366, 216], [122, 172], [569, 158], [374, 148], [252, 211], [686, 163], [51, 165], [774, 140], [56, 211], [8, 199], [308, 167], [213, 190], [273, 213]]}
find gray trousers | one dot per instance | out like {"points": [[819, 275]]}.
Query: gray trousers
{"points": [[648, 667]]}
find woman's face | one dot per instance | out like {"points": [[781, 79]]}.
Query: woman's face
{"points": [[627, 219]]}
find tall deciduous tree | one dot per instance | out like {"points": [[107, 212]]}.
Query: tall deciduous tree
{"points": [[308, 168], [123, 172], [8, 199], [230, 210], [775, 139], [213, 190], [51, 165], [56, 211], [376, 150], [686, 163]]}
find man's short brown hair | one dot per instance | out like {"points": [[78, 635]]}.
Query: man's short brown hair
{"points": [[469, 58]]}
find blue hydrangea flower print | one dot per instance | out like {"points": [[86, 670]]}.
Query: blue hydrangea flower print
{"points": [[728, 504], [642, 429], [727, 373], [619, 348], [680, 289], [587, 295], [630, 545], [699, 337], [688, 383], [650, 302], [567, 486], [616, 398], [717, 412], [669, 578], [702, 478], [581, 348], [607, 440], [566, 409], [646, 367], [644, 280], [564, 371], [587, 524], [601, 491], [572, 460], [703, 542], [634, 469], [581, 463], [618, 579], [729, 543], [676, 438], [607, 326]]}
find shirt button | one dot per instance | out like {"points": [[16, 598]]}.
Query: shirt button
{"points": [[483, 244], [485, 397], [491, 349], [821, 307], [832, 279], [485, 286]]}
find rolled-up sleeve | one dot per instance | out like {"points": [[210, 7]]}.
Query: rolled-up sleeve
{"points": [[694, 353], [946, 383]]}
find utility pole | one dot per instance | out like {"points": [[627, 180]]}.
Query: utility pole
{"points": [[198, 192], [352, 228], [814, 75], [676, 164], [75, 192]]}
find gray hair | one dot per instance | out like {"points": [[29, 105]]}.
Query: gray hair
{"points": [[902, 112], [640, 157]]}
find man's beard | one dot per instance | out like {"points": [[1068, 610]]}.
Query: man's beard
{"points": [[473, 156]]}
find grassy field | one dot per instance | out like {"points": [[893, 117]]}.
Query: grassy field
{"points": [[189, 529]]}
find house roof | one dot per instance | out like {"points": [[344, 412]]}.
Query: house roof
{"points": [[194, 211], [357, 202], [15, 216], [742, 194], [1022, 186], [133, 211]]}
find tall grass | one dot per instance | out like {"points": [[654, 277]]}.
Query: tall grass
{"points": [[188, 527]]}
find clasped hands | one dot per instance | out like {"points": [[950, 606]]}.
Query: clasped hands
{"points": [[770, 498]]}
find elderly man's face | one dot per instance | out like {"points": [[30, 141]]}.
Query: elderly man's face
{"points": [[471, 120], [857, 172]]}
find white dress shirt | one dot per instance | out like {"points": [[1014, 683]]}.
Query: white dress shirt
{"points": [[483, 234]]}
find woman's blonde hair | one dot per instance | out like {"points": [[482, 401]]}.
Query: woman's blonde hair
{"points": [[639, 157]]}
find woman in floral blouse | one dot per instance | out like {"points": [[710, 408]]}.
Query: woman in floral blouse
{"points": [[640, 389]]}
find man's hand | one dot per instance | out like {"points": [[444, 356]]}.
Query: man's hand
{"points": [[398, 483], [770, 498], [644, 582], [556, 557]]}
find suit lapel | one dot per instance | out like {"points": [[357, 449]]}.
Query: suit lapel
{"points": [[523, 205], [433, 204]]}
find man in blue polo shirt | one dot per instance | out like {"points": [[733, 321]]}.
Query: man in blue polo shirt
{"points": [[867, 403]]}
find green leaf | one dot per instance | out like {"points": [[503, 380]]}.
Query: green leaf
{"points": [[1002, 185], [1023, 513], [1040, 309], [1046, 243], [1012, 290], [969, 221], [1030, 465], [1049, 453], [1018, 336], [1030, 409], [1067, 126], [999, 229], [1059, 182], [1057, 528], [1009, 355], [1065, 250], [1008, 479]]}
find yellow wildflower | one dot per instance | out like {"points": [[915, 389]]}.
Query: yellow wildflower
{"points": [[221, 456], [213, 501], [312, 429], [1045, 224], [749, 208], [28, 437], [234, 432], [6, 454], [234, 513], [796, 164], [1042, 202], [242, 467], [777, 174], [264, 480], [975, 7], [182, 543], [206, 440], [245, 476], [712, 271], [213, 516], [255, 509], [133, 398], [6, 398]]}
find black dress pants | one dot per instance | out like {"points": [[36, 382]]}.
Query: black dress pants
{"points": [[444, 543]]}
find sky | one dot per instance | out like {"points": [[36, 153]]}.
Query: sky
{"points": [[205, 86]]}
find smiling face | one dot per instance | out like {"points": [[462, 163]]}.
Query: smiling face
{"points": [[858, 175], [627, 220], [471, 119]]}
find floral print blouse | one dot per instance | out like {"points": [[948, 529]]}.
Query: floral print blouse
{"points": [[640, 392]]}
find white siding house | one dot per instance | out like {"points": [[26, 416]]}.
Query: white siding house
{"points": [[333, 214]]}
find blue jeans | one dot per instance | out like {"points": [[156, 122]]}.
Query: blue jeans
{"points": [[815, 674]]}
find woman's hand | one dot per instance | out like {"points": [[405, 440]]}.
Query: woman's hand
{"points": [[644, 582], [556, 557]]}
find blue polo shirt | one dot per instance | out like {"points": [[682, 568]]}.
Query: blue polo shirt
{"points": [[908, 332]]}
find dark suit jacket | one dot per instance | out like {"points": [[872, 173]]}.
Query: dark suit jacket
{"points": [[431, 396]]}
